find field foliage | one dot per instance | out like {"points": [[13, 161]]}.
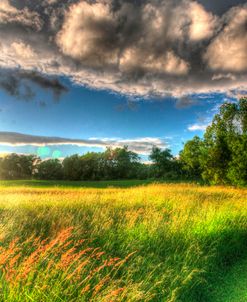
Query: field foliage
{"points": [[158, 242]]}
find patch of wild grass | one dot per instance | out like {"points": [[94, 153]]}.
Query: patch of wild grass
{"points": [[156, 243]]}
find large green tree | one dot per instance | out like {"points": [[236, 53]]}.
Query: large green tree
{"points": [[221, 156], [190, 158], [224, 157]]}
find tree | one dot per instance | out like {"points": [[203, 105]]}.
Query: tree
{"points": [[141, 171], [221, 156], [91, 166], [15, 166], [50, 169], [163, 162], [119, 163], [243, 115], [190, 157], [72, 167], [222, 141], [237, 169]]}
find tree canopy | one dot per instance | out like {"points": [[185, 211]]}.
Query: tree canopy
{"points": [[220, 157]]}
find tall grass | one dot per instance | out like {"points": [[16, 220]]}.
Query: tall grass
{"points": [[152, 243]]}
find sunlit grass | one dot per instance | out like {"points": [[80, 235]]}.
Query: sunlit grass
{"points": [[155, 243]]}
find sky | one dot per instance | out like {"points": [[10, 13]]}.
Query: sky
{"points": [[78, 76]]}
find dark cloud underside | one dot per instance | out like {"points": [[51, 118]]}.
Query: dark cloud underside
{"points": [[137, 48], [20, 84]]}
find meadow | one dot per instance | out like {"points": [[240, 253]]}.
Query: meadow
{"points": [[122, 241]]}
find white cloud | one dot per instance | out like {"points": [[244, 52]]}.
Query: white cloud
{"points": [[218, 77], [197, 127], [203, 23], [139, 145], [85, 32], [191, 22], [168, 63], [22, 50], [228, 51]]}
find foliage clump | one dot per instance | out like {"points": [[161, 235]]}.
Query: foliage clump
{"points": [[220, 157]]}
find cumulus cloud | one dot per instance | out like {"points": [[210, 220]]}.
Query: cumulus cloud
{"points": [[138, 145], [192, 21], [227, 52], [203, 23], [138, 48], [9, 14], [23, 51], [89, 34], [133, 59]]}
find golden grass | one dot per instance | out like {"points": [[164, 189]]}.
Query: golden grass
{"points": [[152, 243]]}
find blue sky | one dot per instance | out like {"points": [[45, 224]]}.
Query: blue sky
{"points": [[83, 113]]}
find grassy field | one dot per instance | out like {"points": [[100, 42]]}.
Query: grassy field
{"points": [[122, 242], [75, 184]]}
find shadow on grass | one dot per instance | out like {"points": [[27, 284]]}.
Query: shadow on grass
{"points": [[233, 287], [223, 277]]}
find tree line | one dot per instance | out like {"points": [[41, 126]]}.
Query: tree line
{"points": [[119, 163], [220, 157]]}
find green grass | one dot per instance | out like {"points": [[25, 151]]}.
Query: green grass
{"points": [[157, 242], [101, 184], [75, 184], [233, 285]]}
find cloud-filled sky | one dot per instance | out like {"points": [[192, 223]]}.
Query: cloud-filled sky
{"points": [[78, 75]]}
